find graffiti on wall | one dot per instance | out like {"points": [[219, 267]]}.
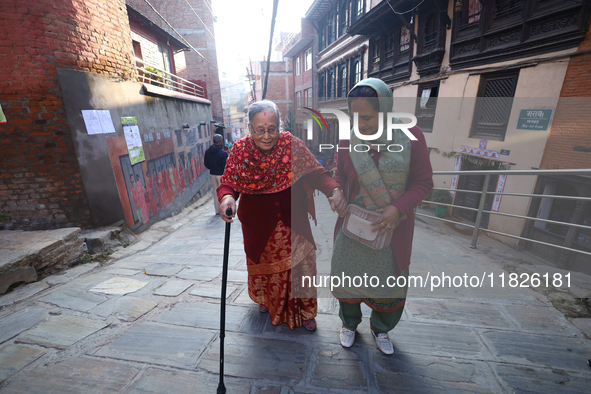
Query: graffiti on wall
{"points": [[166, 180]]}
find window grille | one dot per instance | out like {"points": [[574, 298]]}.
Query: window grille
{"points": [[493, 105]]}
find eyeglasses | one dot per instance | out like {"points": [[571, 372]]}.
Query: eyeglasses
{"points": [[261, 132]]}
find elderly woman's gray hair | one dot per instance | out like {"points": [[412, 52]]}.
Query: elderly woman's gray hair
{"points": [[260, 106]]}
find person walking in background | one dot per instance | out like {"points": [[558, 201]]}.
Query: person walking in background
{"points": [[215, 160], [275, 174], [390, 183]]}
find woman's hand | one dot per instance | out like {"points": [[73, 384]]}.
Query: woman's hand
{"points": [[387, 221], [228, 202], [338, 203]]}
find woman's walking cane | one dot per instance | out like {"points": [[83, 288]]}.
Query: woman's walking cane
{"points": [[221, 386]]}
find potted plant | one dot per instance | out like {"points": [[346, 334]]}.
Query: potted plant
{"points": [[442, 196]]}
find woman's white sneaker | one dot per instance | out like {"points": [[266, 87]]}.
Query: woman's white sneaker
{"points": [[383, 341], [347, 337]]}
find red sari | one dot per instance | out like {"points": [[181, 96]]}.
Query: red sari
{"points": [[275, 198]]}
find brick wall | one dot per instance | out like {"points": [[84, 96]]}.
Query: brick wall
{"points": [[570, 127], [184, 17], [40, 180]]}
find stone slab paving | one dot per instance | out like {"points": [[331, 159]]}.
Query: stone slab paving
{"points": [[331, 361], [200, 273], [203, 315], [15, 323], [74, 299], [173, 288], [73, 376], [237, 276], [407, 373], [214, 260], [160, 344], [72, 273], [468, 313], [449, 340], [158, 381], [123, 271], [61, 331], [126, 308], [163, 269], [539, 350], [13, 358], [22, 293], [525, 379], [276, 360], [210, 291], [118, 286]]}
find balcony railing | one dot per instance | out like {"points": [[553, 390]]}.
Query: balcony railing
{"points": [[149, 73], [484, 192]]}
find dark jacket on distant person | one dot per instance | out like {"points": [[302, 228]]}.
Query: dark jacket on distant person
{"points": [[215, 159]]}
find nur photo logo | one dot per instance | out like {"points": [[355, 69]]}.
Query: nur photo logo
{"points": [[393, 122]]}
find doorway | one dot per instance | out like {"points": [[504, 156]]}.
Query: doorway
{"points": [[475, 182]]}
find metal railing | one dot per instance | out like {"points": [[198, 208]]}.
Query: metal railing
{"points": [[149, 73], [484, 192]]}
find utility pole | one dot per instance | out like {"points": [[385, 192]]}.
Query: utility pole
{"points": [[275, 4]]}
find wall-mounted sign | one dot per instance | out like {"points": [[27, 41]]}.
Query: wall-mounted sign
{"points": [[534, 119], [133, 139], [98, 121], [505, 152]]}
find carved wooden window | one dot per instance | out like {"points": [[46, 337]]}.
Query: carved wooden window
{"points": [[507, 7], [426, 105], [431, 30], [355, 71], [493, 105], [389, 46], [342, 86], [330, 79], [470, 12], [357, 10], [375, 53], [322, 37], [331, 25], [322, 85], [344, 17]]}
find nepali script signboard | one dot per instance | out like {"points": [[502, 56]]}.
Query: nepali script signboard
{"points": [[133, 139], [534, 119]]}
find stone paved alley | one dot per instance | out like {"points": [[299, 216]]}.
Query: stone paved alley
{"points": [[148, 322]]}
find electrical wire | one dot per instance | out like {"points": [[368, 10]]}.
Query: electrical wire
{"points": [[208, 6], [179, 34], [197, 15], [405, 12]]}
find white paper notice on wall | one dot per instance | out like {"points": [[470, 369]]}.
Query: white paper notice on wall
{"points": [[98, 121]]}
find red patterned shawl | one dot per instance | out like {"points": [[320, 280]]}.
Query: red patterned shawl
{"points": [[250, 171]]}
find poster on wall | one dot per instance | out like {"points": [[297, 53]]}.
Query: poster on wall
{"points": [[98, 121], [2, 116], [133, 139]]}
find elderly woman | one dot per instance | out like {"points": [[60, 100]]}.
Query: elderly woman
{"points": [[275, 176], [391, 182]]}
